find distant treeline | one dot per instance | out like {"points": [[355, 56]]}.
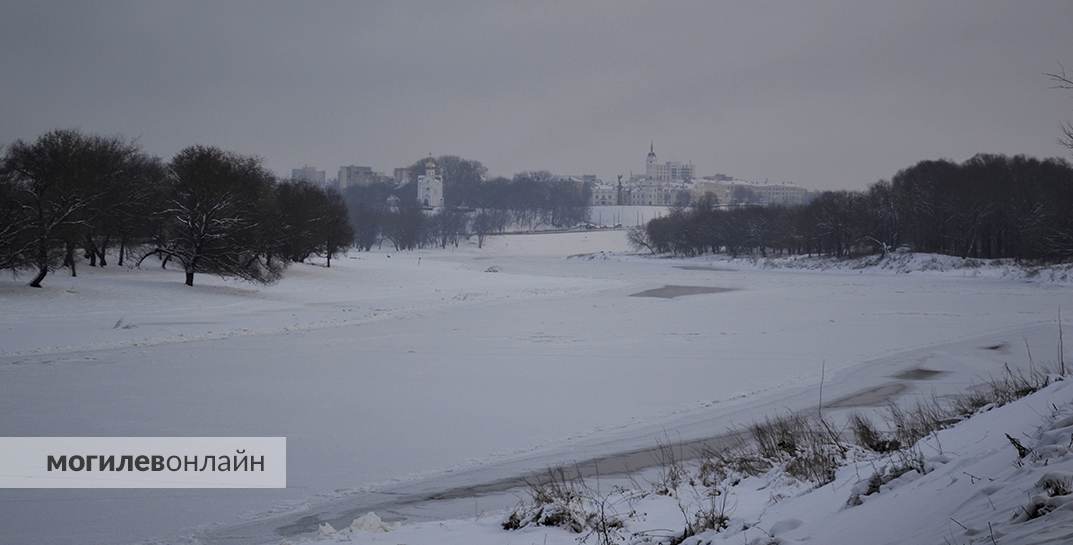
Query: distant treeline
{"points": [[207, 210], [989, 206], [69, 196], [382, 212]]}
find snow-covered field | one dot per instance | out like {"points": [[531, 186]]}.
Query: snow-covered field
{"points": [[421, 372]]}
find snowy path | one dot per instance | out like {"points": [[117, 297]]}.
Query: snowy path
{"points": [[447, 366]]}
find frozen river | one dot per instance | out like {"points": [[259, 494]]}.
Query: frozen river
{"points": [[388, 368]]}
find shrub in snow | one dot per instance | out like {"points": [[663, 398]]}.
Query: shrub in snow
{"points": [[671, 472], [913, 423], [1055, 487], [906, 465], [1056, 483], [808, 447], [1014, 385], [567, 503], [869, 437], [730, 463]]}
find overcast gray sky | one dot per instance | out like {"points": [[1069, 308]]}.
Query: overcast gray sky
{"points": [[828, 94]]}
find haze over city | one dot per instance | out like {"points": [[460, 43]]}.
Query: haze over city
{"points": [[827, 95]]}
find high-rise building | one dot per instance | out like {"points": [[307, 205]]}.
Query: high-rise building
{"points": [[308, 174], [351, 175]]}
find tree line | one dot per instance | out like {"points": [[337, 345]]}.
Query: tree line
{"points": [[383, 212], [206, 210], [989, 206]]}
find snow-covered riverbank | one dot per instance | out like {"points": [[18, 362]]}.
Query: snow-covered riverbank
{"points": [[969, 483]]}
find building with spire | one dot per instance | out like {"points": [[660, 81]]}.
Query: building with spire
{"points": [[671, 171]]}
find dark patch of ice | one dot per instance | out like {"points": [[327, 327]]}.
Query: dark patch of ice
{"points": [[918, 374], [672, 291]]}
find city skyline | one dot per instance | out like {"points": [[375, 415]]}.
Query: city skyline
{"points": [[671, 167], [825, 94]]}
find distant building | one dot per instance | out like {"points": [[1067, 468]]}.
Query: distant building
{"points": [[734, 192], [768, 194], [604, 195], [308, 174], [655, 194], [672, 183], [719, 189], [430, 187], [671, 171], [352, 175], [401, 176]]}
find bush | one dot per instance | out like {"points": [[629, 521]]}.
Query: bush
{"points": [[869, 437], [564, 502]]}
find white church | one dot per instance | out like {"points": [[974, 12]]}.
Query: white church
{"points": [[430, 187]]}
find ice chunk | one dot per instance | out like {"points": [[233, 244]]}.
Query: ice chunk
{"points": [[371, 522]]}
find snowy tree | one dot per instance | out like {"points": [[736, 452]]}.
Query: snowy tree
{"points": [[59, 186], [214, 217]]}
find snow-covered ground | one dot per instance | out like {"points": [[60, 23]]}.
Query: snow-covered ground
{"points": [[968, 485], [423, 371]]}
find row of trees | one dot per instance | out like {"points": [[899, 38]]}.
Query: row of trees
{"points": [[989, 206], [382, 212], [209, 210], [407, 227]]}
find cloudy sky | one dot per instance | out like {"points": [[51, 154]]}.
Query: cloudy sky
{"points": [[828, 94]]}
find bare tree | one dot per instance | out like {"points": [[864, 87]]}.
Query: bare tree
{"points": [[213, 220], [15, 233], [1061, 81], [335, 230], [58, 182], [488, 221], [637, 237]]}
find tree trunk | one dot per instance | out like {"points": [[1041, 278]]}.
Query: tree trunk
{"points": [[122, 249], [71, 260], [104, 250], [189, 278], [42, 263], [36, 282]]}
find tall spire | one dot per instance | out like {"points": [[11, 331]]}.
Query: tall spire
{"points": [[651, 146]]}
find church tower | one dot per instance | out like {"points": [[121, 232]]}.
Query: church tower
{"points": [[430, 187], [650, 162]]}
